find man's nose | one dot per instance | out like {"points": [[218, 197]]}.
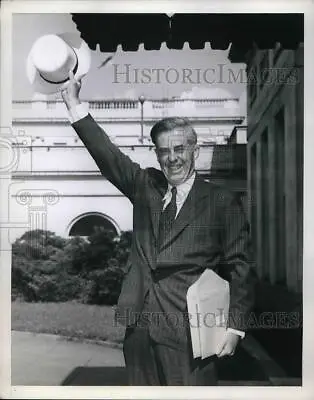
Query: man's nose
{"points": [[172, 155]]}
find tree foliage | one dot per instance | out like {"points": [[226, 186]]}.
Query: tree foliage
{"points": [[46, 267]]}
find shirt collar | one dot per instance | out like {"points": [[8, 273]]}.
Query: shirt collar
{"points": [[183, 189]]}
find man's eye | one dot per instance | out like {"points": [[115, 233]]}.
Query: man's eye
{"points": [[179, 149]]}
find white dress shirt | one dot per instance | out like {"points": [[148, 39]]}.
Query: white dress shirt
{"points": [[78, 112]]}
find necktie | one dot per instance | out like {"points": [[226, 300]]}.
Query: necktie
{"points": [[167, 216]]}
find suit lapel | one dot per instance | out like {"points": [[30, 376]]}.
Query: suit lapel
{"points": [[194, 204]]}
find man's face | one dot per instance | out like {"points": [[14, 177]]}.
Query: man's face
{"points": [[176, 155]]}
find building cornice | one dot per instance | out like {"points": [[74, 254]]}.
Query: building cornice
{"points": [[65, 121]]}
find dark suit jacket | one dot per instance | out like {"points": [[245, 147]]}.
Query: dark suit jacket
{"points": [[210, 231]]}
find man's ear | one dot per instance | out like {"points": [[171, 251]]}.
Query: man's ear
{"points": [[196, 151], [156, 152]]}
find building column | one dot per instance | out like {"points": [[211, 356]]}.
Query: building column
{"points": [[259, 211], [252, 190], [272, 202], [299, 93], [291, 190], [249, 184]]}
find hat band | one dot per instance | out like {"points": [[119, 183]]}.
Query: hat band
{"points": [[66, 79]]}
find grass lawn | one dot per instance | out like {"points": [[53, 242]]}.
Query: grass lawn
{"points": [[69, 319]]}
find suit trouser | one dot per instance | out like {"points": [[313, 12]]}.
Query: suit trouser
{"points": [[150, 363]]}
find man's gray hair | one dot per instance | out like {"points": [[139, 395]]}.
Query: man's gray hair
{"points": [[173, 123]]}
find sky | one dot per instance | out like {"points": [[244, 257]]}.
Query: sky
{"points": [[211, 74]]}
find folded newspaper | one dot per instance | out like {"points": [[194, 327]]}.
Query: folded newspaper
{"points": [[208, 302]]}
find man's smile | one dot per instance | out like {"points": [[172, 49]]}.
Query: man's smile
{"points": [[175, 168]]}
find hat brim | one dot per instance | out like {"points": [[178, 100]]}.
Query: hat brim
{"points": [[83, 53]]}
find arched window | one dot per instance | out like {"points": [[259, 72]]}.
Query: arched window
{"points": [[86, 225]]}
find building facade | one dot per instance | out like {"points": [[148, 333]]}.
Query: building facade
{"points": [[275, 163], [56, 184]]}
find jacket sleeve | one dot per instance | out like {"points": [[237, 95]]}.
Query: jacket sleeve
{"points": [[117, 167], [238, 263]]}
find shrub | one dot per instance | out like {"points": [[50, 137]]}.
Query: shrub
{"points": [[46, 267], [38, 244], [106, 284], [123, 247], [101, 248], [22, 275], [73, 256]]}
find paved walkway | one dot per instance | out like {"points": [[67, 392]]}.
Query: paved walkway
{"points": [[40, 359]]}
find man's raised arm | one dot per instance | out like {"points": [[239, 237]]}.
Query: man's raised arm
{"points": [[118, 168]]}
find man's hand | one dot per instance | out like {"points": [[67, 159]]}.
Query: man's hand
{"points": [[70, 94], [228, 345]]}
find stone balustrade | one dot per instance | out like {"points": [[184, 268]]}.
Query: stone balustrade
{"points": [[129, 109]]}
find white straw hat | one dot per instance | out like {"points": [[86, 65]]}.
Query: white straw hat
{"points": [[51, 59]]}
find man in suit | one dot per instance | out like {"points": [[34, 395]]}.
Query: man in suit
{"points": [[182, 224]]}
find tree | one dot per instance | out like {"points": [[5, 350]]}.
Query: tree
{"points": [[106, 284], [123, 247], [38, 244], [103, 268], [32, 267], [46, 267], [74, 255], [101, 249]]}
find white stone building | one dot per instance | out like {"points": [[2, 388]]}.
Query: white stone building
{"points": [[56, 184]]}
